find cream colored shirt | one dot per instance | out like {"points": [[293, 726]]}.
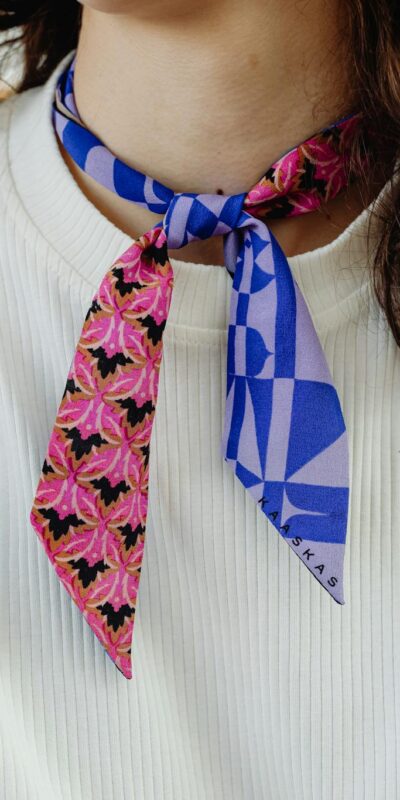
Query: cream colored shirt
{"points": [[250, 682]]}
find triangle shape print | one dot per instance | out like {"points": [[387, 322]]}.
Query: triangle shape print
{"points": [[328, 468]]}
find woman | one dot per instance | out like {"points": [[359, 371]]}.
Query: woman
{"points": [[249, 680]]}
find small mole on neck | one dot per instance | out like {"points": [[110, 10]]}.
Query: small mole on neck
{"points": [[220, 191]]}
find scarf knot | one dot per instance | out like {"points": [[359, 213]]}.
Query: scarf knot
{"points": [[200, 216]]}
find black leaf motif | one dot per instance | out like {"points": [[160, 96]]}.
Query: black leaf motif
{"points": [[109, 493], [107, 364], [309, 181], [71, 386], [81, 446], [157, 254], [131, 534], [60, 527], [87, 573], [122, 286], [136, 413], [94, 308], [146, 452], [280, 207], [154, 330], [116, 618]]}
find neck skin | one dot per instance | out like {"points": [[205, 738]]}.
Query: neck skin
{"points": [[206, 97]]}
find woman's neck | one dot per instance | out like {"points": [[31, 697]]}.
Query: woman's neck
{"points": [[207, 100]]}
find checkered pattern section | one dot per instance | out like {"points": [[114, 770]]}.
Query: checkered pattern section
{"points": [[284, 433], [200, 216]]}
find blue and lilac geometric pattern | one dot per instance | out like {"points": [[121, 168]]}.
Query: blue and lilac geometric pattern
{"points": [[284, 433]]}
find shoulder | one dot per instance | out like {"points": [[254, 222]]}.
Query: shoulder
{"points": [[28, 156], [32, 180], [6, 108], [17, 117], [49, 228], [11, 208]]}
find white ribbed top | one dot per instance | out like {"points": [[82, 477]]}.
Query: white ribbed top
{"points": [[250, 682]]}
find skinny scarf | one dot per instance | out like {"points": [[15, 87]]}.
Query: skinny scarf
{"points": [[284, 434]]}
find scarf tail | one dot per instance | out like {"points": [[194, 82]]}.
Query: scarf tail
{"points": [[284, 433], [90, 506]]}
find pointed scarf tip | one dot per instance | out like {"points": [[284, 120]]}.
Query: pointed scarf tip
{"points": [[125, 667], [325, 562], [116, 645]]}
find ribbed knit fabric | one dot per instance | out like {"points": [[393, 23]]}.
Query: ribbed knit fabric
{"points": [[250, 683]]}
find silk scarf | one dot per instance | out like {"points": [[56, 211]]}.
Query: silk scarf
{"points": [[284, 434]]}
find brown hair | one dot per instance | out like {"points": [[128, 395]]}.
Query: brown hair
{"points": [[45, 30], [48, 30]]}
